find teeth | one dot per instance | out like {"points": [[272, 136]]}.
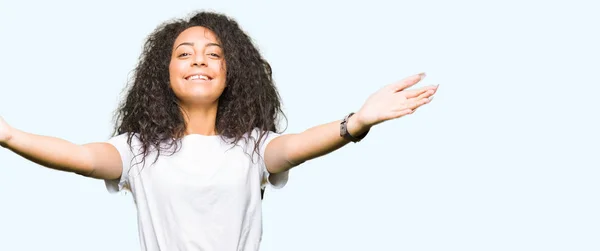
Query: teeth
{"points": [[198, 77]]}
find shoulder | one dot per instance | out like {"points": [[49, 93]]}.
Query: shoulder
{"points": [[256, 139], [261, 136], [126, 142], [125, 139]]}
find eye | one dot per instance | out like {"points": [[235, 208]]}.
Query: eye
{"points": [[215, 55], [185, 54]]}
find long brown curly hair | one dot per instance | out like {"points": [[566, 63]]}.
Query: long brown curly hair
{"points": [[151, 111]]}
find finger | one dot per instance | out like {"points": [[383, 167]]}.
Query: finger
{"points": [[415, 105], [404, 102], [425, 94], [417, 92], [424, 103], [407, 82], [417, 102]]}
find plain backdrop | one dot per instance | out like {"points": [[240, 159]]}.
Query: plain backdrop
{"points": [[504, 158]]}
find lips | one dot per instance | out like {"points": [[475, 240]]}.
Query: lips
{"points": [[198, 77]]}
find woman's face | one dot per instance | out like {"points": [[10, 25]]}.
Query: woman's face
{"points": [[197, 70]]}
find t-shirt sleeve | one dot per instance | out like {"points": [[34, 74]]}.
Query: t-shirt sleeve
{"points": [[278, 180], [122, 183]]}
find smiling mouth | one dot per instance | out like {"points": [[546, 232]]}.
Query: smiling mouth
{"points": [[195, 77]]}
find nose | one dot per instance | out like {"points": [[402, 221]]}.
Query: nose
{"points": [[199, 60]]}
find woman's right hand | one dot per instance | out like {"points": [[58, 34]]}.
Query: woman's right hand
{"points": [[5, 131]]}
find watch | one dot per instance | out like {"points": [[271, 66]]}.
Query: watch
{"points": [[344, 130]]}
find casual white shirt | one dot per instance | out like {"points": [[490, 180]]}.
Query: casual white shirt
{"points": [[205, 196]]}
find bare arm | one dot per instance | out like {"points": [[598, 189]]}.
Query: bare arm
{"points": [[96, 160], [391, 102], [287, 151]]}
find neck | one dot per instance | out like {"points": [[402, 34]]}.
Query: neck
{"points": [[200, 120]]}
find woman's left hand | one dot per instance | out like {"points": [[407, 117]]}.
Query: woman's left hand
{"points": [[394, 101]]}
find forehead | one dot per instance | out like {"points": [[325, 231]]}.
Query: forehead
{"points": [[196, 34]]}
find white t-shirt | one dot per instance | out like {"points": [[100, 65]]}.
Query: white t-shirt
{"points": [[206, 196]]}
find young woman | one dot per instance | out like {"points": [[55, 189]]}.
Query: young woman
{"points": [[196, 139]]}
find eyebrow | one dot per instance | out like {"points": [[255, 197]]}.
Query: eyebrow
{"points": [[192, 44]]}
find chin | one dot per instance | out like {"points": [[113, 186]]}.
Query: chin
{"points": [[205, 94], [199, 98]]}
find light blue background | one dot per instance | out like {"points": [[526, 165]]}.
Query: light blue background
{"points": [[504, 158]]}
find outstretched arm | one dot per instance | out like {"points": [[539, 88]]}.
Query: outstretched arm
{"points": [[391, 102], [96, 160]]}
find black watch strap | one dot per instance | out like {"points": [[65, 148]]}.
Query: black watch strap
{"points": [[344, 130]]}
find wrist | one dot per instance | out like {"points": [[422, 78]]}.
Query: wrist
{"points": [[356, 126], [360, 123], [8, 138]]}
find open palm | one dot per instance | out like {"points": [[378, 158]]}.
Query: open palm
{"points": [[394, 101]]}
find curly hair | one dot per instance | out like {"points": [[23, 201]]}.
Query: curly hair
{"points": [[152, 112]]}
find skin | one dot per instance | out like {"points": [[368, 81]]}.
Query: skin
{"points": [[197, 51]]}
